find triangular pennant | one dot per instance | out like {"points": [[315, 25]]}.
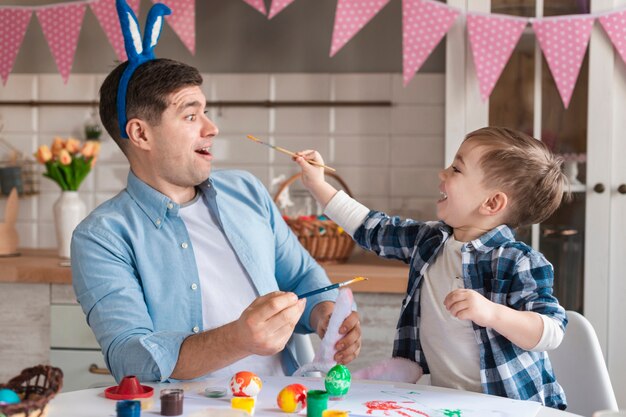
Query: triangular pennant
{"points": [[258, 5], [13, 24], [61, 26], [106, 14], [424, 24], [183, 21], [351, 16], [278, 6], [614, 25], [492, 39], [564, 41]]}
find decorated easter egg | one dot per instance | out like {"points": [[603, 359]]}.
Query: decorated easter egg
{"points": [[292, 398], [337, 381], [8, 396], [245, 384]]}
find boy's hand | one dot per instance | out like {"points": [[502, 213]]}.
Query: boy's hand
{"points": [[313, 176], [465, 304]]}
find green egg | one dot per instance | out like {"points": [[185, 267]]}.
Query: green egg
{"points": [[337, 381]]}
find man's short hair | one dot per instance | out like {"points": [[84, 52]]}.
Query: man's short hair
{"points": [[146, 97], [523, 168]]}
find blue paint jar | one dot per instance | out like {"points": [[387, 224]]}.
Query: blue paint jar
{"points": [[128, 408]]}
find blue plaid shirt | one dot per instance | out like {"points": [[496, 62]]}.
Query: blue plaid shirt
{"points": [[495, 265]]}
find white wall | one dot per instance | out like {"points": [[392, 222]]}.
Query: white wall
{"points": [[389, 156]]}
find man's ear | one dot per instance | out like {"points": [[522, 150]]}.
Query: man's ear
{"points": [[495, 204], [138, 133]]}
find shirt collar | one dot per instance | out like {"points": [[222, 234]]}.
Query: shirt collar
{"points": [[494, 238], [153, 203]]}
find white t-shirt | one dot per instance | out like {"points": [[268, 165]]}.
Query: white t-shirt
{"points": [[225, 286]]}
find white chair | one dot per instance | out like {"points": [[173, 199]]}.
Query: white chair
{"points": [[580, 369], [304, 348]]}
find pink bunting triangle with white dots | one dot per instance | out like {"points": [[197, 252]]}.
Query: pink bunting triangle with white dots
{"points": [[492, 39], [351, 16], [182, 21], [278, 6], [13, 24], [259, 5], [614, 25], [61, 26], [106, 13], [564, 41], [424, 24]]}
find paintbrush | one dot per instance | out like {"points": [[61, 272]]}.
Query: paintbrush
{"points": [[331, 287], [287, 152]]}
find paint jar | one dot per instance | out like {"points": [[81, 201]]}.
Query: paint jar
{"points": [[128, 408], [172, 402], [317, 402]]}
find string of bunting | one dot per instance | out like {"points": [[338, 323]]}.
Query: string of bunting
{"points": [[493, 37]]}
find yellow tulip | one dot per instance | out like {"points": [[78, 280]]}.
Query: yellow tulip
{"points": [[64, 157], [91, 148], [43, 154], [58, 144], [72, 145]]}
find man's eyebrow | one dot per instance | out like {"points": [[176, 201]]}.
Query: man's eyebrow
{"points": [[186, 105]]}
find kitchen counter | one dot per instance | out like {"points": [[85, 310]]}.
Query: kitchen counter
{"points": [[43, 266]]}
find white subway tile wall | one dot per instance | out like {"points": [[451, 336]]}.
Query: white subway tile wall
{"points": [[389, 156]]}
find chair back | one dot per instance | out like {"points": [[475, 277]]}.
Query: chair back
{"points": [[580, 369], [304, 348]]}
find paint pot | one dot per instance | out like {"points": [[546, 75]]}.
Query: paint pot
{"points": [[128, 408], [335, 413], [215, 392], [337, 382], [316, 403], [172, 402]]}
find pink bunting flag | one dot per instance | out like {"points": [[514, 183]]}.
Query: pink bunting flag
{"points": [[492, 39], [424, 24], [351, 16], [61, 26], [13, 24], [258, 5], [106, 13], [278, 6], [564, 40], [183, 21], [614, 25]]}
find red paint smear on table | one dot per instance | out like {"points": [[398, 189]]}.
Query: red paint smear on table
{"points": [[386, 406]]}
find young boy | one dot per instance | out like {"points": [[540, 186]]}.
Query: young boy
{"points": [[479, 313]]}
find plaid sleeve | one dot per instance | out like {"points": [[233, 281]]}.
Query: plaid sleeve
{"points": [[391, 237]]}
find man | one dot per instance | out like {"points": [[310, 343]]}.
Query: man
{"points": [[185, 274]]}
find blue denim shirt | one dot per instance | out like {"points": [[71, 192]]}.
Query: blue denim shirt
{"points": [[134, 269]]}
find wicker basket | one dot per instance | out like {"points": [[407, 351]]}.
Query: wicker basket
{"points": [[323, 239], [36, 386]]}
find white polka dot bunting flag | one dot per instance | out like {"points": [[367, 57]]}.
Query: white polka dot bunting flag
{"points": [[258, 5], [278, 6], [614, 25], [351, 16], [492, 39], [182, 21], [564, 40], [13, 24], [61, 26], [106, 13], [424, 24]]}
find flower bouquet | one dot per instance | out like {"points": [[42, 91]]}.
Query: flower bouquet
{"points": [[68, 161]]}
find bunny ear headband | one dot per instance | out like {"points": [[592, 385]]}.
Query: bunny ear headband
{"points": [[137, 53]]}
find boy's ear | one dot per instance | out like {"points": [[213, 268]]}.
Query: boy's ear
{"points": [[138, 135], [495, 204]]}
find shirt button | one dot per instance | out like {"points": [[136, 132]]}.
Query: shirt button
{"points": [[184, 245], [195, 329], [194, 286], [170, 205], [158, 221]]}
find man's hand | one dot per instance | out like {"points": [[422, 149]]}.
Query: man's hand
{"points": [[264, 328], [465, 304], [349, 346]]}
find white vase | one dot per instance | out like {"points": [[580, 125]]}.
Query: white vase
{"points": [[69, 210]]}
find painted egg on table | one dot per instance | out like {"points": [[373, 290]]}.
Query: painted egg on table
{"points": [[245, 384], [8, 396], [337, 381], [292, 398]]}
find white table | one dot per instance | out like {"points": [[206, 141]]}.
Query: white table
{"points": [[92, 403]]}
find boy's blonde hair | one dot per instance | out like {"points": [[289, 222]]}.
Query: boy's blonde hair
{"points": [[523, 168]]}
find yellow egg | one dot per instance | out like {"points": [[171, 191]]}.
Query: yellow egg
{"points": [[292, 398]]}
